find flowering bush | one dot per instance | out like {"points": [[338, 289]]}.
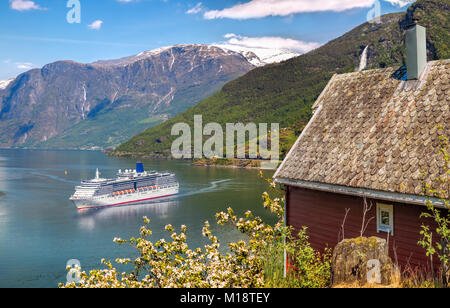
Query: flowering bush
{"points": [[172, 264]]}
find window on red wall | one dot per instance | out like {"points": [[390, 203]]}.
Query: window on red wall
{"points": [[385, 218]]}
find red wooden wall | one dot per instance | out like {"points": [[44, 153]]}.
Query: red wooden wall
{"points": [[323, 214]]}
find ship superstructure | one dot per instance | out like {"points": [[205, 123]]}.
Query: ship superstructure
{"points": [[130, 186]]}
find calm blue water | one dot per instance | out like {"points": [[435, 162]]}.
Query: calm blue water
{"points": [[40, 229]]}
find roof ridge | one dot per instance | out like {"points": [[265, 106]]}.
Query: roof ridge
{"points": [[380, 70], [440, 60], [371, 71]]}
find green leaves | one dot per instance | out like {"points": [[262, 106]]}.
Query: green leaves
{"points": [[441, 217], [308, 268]]}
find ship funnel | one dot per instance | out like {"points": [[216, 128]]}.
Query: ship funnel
{"points": [[139, 167]]}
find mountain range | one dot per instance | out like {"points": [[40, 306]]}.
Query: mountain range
{"points": [[284, 92], [70, 105]]}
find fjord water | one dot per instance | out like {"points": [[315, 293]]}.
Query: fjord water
{"points": [[40, 229]]}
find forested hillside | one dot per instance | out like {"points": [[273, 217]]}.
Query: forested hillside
{"points": [[284, 92]]}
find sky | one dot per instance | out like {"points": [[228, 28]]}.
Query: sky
{"points": [[38, 32]]}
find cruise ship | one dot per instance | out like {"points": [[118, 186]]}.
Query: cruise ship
{"points": [[130, 186]]}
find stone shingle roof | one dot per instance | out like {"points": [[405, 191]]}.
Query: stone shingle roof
{"points": [[374, 131]]}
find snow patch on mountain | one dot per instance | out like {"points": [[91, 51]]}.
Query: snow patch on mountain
{"points": [[261, 56], [5, 83], [130, 59]]}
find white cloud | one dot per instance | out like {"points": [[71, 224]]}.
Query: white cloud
{"points": [[229, 35], [96, 25], [24, 5], [400, 3], [24, 65], [196, 9], [10, 68], [264, 8]]}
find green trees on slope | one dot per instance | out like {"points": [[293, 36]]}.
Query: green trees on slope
{"points": [[284, 93]]}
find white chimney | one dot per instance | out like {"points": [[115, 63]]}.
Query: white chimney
{"points": [[416, 51]]}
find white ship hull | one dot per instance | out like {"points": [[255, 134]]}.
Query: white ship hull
{"points": [[124, 199]]}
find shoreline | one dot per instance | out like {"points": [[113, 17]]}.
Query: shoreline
{"points": [[230, 167], [233, 167], [234, 163]]}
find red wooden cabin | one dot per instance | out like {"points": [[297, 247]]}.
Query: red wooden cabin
{"points": [[372, 135]]}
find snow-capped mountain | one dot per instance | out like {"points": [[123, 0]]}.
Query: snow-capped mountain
{"points": [[256, 56], [5, 83], [66, 104], [261, 56], [76, 99], [205, 51]]}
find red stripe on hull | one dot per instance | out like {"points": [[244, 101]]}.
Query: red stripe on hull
{"points": [[96, 207]]}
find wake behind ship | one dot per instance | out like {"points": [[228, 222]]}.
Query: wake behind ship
{"points": [[129, 187]]}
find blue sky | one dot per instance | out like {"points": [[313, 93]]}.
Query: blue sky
{"points": [[34, 33]]}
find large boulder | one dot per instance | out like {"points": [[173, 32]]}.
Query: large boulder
{"points": [[362, 260]]}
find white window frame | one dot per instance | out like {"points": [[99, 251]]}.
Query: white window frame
{"points": [[389, 208]]}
